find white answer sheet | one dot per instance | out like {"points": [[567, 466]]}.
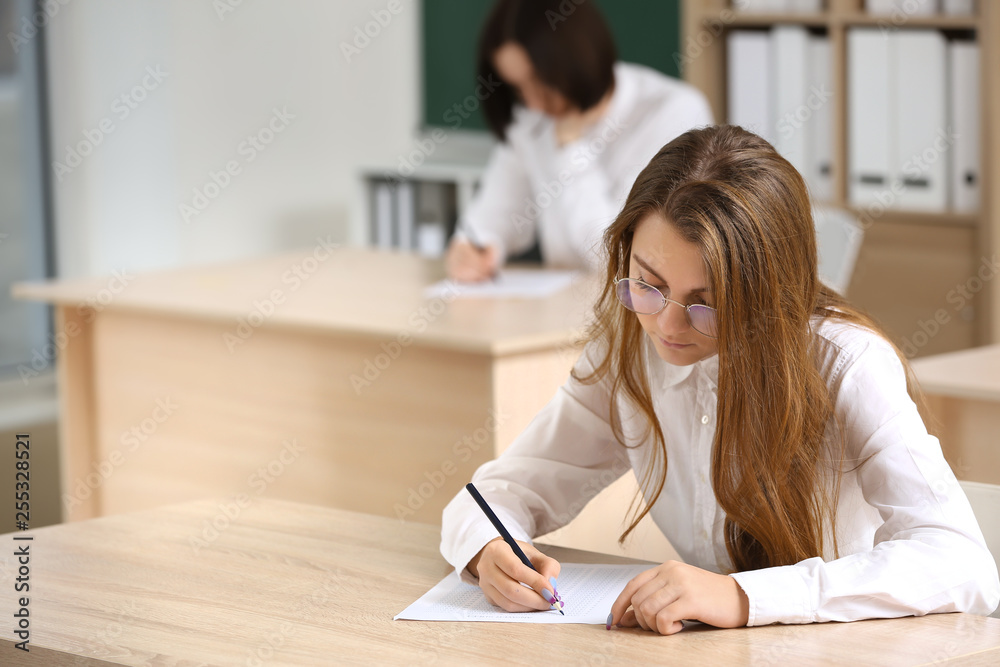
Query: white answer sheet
{"points": [[587, 590], [508, 283]]}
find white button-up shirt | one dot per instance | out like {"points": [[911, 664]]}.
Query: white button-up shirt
{"points": [[570, 194], [908, 541]]}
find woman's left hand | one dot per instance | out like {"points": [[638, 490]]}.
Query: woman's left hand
{"points": [[662, 597]]}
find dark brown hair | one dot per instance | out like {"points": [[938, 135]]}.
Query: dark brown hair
{"points": [[571, 51], [747, 209]]}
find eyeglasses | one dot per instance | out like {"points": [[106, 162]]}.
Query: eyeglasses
{"points": [[645, 299]]}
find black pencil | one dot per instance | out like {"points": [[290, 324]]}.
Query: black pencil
{"points": [[488, 511]]}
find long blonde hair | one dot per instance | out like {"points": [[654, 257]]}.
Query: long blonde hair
{"points": [[730, 193]]}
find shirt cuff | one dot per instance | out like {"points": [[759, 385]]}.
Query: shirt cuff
{"points": [[776, 595]]}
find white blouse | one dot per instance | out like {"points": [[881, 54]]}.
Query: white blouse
{"points": [[570, 194], [908, 541]]}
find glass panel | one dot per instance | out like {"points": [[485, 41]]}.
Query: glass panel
{"points": [[23, 325]]}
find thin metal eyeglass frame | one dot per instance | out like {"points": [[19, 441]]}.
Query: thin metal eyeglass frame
{"points": [[665, 301]]}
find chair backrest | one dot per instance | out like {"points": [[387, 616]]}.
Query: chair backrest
{"points": [[838, 242], [985, 501]]}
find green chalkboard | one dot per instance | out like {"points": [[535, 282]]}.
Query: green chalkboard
{"points": [[646, 32]]}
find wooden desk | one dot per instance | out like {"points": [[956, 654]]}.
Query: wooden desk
{"points": [[287, 584], [322, 376], [963, 392]]}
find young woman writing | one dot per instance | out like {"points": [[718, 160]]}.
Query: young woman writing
{"points": [[770, 424], [575, 127]]}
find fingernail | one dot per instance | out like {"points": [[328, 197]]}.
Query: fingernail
{"points": [[548, 596], [610, 616], [552, 580]]}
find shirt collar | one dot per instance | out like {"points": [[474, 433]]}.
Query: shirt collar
{"points": [[668, 375]]}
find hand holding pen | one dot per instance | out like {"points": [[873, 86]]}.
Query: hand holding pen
{"points": [[504, 564], [469, 261]]}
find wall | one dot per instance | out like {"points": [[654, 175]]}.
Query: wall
{"points": [[150, 99]]}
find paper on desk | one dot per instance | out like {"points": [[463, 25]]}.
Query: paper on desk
{"points": [[588, 591], [517, 283]]}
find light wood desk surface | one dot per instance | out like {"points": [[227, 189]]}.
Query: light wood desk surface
{"points": [[972, 373], [963, 397], [365, 292], [287, 584], [391, 399]]}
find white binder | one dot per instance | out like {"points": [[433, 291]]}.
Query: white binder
{"points": [[762, 6], [922, 143], [838, 243], [820, 126], [383, 215], [749, 84], [789, 72], [963, 103], [406, 215], [879, 6], [805, 6], [868, 117], [778, 6], [902, 8], [958, 7]]}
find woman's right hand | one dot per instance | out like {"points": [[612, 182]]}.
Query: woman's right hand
{"points": [[468, 264], [501, 573]]}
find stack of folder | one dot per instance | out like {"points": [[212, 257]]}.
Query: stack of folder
{"points": [[410, 215], [778, 6], [913, 126], [913, 120], [780, 85], [904, 8]]}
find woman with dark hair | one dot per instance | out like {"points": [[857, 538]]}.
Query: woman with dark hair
{"points": [[772, 427], [575, 127]]}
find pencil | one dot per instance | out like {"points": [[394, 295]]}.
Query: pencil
{"points": [[488, 511]]}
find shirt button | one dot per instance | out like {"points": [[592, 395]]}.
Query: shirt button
{"points": [[704, 419]]}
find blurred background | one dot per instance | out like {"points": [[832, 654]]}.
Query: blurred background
{"points": [[139, 136]]}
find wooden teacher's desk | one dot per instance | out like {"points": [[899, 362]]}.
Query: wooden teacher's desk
{"points": [[323, 376], [290, 584], [963, 396]]}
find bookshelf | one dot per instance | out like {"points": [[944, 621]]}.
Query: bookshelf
{"points": [[910, 261], [436, 181]]}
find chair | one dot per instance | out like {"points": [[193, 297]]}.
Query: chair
{"points": [[985, 500], [838, 242]]}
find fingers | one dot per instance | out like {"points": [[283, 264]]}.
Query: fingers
{"points": [[547, 566], [503, 599], [661, 613], [549, 569], [466, 263], [659, 610], [651, 601], [501, 574], [537, 579], [508, 591], [624, 599]]}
